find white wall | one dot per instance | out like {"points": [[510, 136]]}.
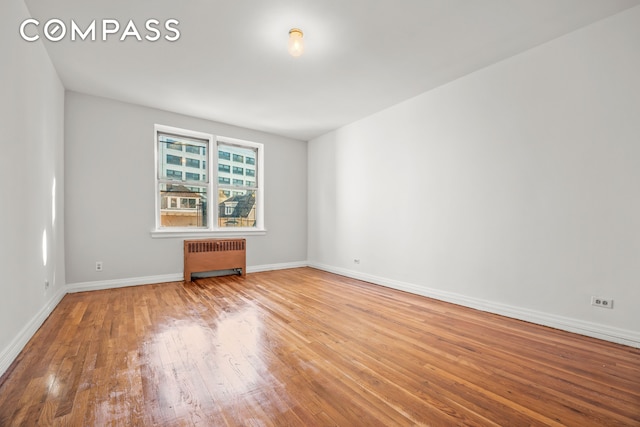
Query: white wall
{"points": [[514, 189], [31, 114], [109, 200]]}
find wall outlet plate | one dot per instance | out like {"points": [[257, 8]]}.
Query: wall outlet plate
{"points": [[98, 265], [601, 302]]}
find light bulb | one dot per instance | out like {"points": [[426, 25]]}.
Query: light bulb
{"points": [[296, 44]]}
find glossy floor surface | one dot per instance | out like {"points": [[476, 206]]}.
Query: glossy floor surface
{"points": [[303, 347]]}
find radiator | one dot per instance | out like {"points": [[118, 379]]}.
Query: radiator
{"points": [[214, 254]]}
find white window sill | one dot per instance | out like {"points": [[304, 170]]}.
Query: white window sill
{"points": [[182, 233]]}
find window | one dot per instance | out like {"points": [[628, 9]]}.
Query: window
{"points": [[192, 163], [174, 174], [174, 160], [185, 199], [193, 149], [188, 203], [229, 207]]}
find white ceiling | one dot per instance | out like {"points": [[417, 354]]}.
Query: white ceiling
{"points": [[231, 64]]}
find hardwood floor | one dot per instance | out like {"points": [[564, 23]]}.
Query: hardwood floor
{"points": [[303, 347]]}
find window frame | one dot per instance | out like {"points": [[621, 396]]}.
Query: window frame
{"points": [[212, 187]]}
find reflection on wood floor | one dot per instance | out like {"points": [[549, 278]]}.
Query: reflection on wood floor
{"points": [[302, 347]]}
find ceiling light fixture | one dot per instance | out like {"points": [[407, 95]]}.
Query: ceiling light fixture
{"points": [[296, 44]]}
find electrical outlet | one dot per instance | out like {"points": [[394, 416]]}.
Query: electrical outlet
{"points": [[601, 302], [98, 265], [46, 285], [356, 261]]}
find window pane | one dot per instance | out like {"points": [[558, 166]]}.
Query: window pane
{"points": [[183, 206], [237, 210], [173, 174], [174, 160], [192, 163]]}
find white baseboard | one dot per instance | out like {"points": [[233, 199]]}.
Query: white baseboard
{"points": [[595, 330], [175, 277], [9, 354], [122, 283], [280, 266]]}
